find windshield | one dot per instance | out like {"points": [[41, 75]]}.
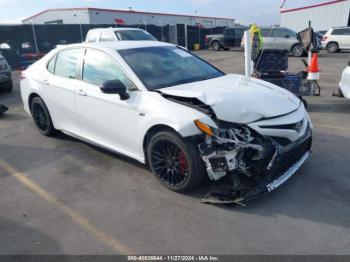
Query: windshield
{"points": [[134, 35], [159, 67]]}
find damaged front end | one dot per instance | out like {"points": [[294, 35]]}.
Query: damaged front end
{"points": [[244, 164]]}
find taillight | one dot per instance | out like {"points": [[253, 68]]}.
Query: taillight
{"points": [[21, 76]]}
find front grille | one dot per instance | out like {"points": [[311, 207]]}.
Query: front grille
{"points": [[291, 157], [295, 126]]}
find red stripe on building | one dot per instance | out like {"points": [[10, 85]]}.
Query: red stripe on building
{"points": [[312, 6]]}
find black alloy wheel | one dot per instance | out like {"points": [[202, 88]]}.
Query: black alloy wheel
{"points": [[174, 161], [169, 163], [41, 117]]}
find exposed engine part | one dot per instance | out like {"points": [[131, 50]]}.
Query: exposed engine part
{"points": [[233, 149], [263, 176], [218, 163]]}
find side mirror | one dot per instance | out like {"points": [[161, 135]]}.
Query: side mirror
{"points": [[115, 87], [286, 36]]}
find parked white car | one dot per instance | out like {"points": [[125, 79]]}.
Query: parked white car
{"points": [[118, 34], [345, 82], [336, 39], [161, 105]]}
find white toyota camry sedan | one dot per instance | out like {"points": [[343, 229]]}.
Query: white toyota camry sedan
{"points": [[166, 107]]}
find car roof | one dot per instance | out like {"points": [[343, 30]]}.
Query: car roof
{"points": [[273, 28], [118, 45], [117, 29], [341, 27]]}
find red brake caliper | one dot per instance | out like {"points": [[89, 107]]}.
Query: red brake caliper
{"points": [[183, 163]]}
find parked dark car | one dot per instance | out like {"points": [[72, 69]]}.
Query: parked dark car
{"points": [[230, 38], [5, 76]]}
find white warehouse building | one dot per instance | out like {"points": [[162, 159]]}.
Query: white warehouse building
{"points": [[323, 16], [111, 16]]}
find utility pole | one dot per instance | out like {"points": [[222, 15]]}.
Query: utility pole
{"points": [[161, 28], [35, 42]]}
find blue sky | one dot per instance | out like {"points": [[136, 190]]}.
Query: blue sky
{"points": [[263, 12]]}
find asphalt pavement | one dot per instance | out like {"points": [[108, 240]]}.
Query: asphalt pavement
{"points": [[63, 196]]}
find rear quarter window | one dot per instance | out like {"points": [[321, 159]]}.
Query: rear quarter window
{"points": [[51, 65], [339, 31]]}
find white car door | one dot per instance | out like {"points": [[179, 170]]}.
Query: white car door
{"points": [[342, 37], [345, 82], [346, 38], [58, 87], [105, 118]]}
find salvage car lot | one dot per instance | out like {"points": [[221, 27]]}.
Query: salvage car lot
{"points": [[62, 196]]}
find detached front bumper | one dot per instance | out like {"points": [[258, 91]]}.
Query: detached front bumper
{"points": [[288, 174], [281, 166]]}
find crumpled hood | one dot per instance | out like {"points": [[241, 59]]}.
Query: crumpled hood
{"points": [[238, 99]]}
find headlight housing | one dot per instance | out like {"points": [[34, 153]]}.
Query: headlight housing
{"points": [[228, 132]]}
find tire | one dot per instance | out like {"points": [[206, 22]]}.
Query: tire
{"points": [[297, 51], [41, 117], [226, 48], [9, 87], [175, 162], [332, 47], [215, 46]]}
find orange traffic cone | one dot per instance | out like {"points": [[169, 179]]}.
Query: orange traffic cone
{"points": [[314, 70]]}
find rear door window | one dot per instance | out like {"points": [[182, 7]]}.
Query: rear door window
{"points": [[346, 31], [278, 33], [230, 32], [339, 31], [66, 63], [290, 33], [239, 32]]}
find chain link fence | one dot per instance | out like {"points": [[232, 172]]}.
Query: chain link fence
{"points": [[21, 45]]}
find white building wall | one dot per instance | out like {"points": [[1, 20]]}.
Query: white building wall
{"points": [[92, 16], [322, 17], [108, 17], [67, 17]]}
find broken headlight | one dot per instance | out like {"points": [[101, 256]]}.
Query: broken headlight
{"points": [[228, 132]]}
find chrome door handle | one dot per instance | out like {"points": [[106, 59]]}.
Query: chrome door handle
{"points": [[81, 92]]}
